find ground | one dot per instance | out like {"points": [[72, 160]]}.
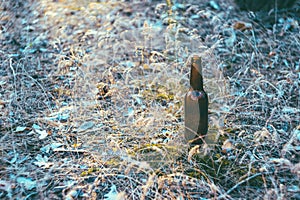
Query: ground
{"points": [[91, 99]]}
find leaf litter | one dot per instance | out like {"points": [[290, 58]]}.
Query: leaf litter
{"points": [[101, 85]]}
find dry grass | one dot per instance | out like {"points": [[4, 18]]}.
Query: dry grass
{"points": [[91, 102]]}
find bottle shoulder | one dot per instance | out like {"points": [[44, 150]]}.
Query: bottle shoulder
{"points": [[196, 94]]}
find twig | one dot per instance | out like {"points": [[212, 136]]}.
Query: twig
{"points": [[238, 184], [70, 150], [14, 74]]}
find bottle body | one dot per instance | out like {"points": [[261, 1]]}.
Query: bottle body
{"points": [[196, 116]]}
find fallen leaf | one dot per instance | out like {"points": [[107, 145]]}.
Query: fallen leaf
{"points": [[35, 126], [20, 129], [113, 193], [56, 145], [272, 53], [26, 182], [227, 146], [42, 161], [262, 135], [242, 26], [85, 126], [43, 134], [6, 186]]}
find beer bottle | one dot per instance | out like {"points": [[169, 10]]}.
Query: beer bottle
{"points": [[196, 105]]}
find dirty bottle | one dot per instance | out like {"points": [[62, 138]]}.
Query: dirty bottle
{"points": [[196, 105]]}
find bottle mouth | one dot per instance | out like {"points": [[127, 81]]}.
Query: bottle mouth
{"points": [[197, 63]]}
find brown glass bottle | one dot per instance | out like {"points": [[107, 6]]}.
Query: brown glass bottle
{"points": [[196, 105]]}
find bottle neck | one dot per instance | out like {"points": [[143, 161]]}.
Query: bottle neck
{"points": [[196, 79]]}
